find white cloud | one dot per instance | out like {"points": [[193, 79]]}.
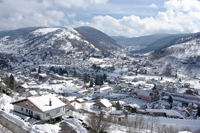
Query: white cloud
{"points": [[29, 13], [153, 6], [178, 18], [183, 5], [71, 15], [78, 3]]}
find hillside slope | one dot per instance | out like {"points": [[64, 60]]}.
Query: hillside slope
{"points": [[179, 59], [98, 38]]}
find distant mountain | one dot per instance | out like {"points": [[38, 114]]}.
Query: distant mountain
{"points": [[179, 59], [160, 43], [145, 44], [120, 39], [98, 38], [13, 34], [139, 42]]}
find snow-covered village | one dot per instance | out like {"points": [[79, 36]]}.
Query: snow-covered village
{"points": [[87, 78]]}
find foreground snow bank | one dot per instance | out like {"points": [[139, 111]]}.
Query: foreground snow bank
{"points": [[76, 124]]}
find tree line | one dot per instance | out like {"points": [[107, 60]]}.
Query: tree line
{"points": [[99, 79]]}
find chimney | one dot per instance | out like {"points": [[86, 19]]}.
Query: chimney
{"points": [[50, 102]]}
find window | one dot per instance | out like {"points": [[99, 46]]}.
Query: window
{"points": [[22, 109], [26, 104], [31, 105], [26, 110], [47, 114]]}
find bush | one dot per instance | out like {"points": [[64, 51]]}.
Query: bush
{"points": [[37, 117]]}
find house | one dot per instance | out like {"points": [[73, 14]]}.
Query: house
{"points": [[145, 95], [91, 90], [35, 88], [105, 90], [171, 89], [149, 96], [48, 108], [79, 100], [83, 92], [70, 99], [42, 77], [189, 92], [103, 104], [21, 88], [31, 93], [132, 107]]}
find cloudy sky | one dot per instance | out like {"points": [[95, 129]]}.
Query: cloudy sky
{"points": [[114, 17]]}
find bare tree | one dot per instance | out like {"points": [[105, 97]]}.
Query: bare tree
{"points": [[185, 129], [161, 128], [172, 129], [141, 122], [136, 123], [98, 123], [153, 121]]}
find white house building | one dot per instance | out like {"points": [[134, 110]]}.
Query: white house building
{"points": [[103, 104], [105, 90], [48, 108]]}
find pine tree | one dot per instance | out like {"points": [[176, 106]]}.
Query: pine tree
{"points": [[176, 76], [85, 79], [97, 80], [7, 81], [101, 80], [104, 76], [118, 106], [12, 80], [91, 83], [170, 100], [39, 71], [75, 74], [60, 71], [88, 77]]}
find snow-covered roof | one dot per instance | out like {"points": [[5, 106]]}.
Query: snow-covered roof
{"points": [[105, 102], [116, 112], [42, 102], [80, 99], [42, 75], [70, 98], [168, 112], [33, 92], [32, 83], [143, 92], [105, 88], [133, 105], [25, 85]]}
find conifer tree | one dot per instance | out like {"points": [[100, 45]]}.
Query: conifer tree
{"points": [[85, 79], [75, 74], [12, 80], [39, 71], [97, 80], [91, 83], [104, 76], [118, 106], [101, 80]]}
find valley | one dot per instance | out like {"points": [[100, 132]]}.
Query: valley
{"points": [[92, 73]]}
